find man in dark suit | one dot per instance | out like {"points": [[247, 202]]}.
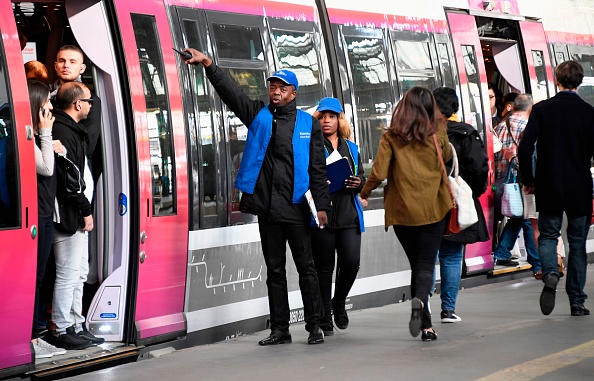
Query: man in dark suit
{"points": [[562, 128]]}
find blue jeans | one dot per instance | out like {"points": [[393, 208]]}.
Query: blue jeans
{"points": [[509, 235], [549, 225], [450, 269]]}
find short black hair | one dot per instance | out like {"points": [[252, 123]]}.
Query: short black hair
{"points": [[447, 100], [69, 93], [569, 74]]}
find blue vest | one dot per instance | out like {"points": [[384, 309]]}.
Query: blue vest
{"points": [[259, 134]]}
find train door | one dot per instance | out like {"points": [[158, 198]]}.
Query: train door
{"points": [[473, 84], [542, 84], [162, 238], [18, 203]]}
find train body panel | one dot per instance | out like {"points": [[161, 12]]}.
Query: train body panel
{"points": [[172, 257]]}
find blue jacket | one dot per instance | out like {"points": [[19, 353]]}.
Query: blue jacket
{"points": [[260, 131]]}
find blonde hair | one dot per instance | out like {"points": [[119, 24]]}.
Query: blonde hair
{"points": [[344, 127]]}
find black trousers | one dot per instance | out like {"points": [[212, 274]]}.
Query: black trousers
{"points": [[274, 237], [45, 240], [421, 244], [346, 243]]}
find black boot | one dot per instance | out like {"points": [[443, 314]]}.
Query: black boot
{"points": [[316, 336], [341, 319]]}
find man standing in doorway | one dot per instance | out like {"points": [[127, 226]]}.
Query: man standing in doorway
{"points": [[283, 158], [562, 128]]}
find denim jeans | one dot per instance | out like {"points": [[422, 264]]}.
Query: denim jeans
{"points": [[509, 235], [549, 225], [450, 269], [72, 267]]}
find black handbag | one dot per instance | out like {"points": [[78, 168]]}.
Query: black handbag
{"points": [[71, 185], [70, 218], [73, 182]]}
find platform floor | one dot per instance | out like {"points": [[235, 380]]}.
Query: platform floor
{"points": [[502, 336]]}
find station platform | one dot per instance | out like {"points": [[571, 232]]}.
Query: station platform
{"points": [[502, 336]]}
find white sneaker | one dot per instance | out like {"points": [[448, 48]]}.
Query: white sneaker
{"points": [[53, 349], [41, 353]]}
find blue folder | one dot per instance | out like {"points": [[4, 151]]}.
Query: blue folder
{"points": [[338, 172]]}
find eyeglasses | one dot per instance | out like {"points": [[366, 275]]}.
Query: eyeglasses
{"points": [[89, 101]]}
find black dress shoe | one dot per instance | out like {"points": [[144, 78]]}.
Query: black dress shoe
{"points": [[277, 337], [327, 326], [506, 262], [316, 336], [580, 310], [547, 296], [340, 315], [429, 335]]}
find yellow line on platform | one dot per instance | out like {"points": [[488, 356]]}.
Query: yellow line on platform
{"points": [[538, 367]]}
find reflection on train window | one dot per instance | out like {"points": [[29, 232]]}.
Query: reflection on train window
{"points": [[406, 82], [586, 89], [446, 66], [413, 55], [205, 136], [560, 57], [541, 92], [238, 42], [157, 115], [253, 83], [373, 99], [296, 51], [474, 94], [9, 179]]}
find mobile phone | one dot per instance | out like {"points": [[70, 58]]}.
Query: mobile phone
{"points": [[185, 55], [42, 111]]}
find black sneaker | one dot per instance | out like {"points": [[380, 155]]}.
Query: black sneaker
{"points": [[506, 262], [84, 334], [341, 319], [67, 341], [448, 316], [316, 336], [327, 326]]}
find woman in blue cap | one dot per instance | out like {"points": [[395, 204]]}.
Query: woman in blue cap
{"points": [[342, 234]]}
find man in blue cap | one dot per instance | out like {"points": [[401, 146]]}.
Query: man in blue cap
{"points": [[283, 158]]}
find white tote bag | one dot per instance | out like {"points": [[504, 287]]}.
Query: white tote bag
{"points": [[467, 215], [511, 201]]}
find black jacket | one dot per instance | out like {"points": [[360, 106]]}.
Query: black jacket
{"points": [[73, 136], [473, 165], [273, 194], [343, 213], [562, 128]]}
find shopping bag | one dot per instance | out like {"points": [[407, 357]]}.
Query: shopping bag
{"points": [[466, 210], [511, 201]]}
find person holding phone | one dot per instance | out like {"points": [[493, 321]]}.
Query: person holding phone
{"points": [[342, 234], [43, 121]]}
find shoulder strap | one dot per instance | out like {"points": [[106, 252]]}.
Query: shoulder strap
{"points": [[509, 131], [440, 156]]}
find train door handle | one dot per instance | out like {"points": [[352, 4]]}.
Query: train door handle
{"points": [[29, 132], [142, 256], [143, 237]]}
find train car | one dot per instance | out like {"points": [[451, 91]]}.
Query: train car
{"points": [[173, 261]]}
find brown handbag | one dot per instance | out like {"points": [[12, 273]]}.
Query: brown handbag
{"points": [[451, 226]]}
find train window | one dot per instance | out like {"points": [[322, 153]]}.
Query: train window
{"points": [[445, 65], [406, 82], [372, 95], [474, 94], [585, 56], [157, 114], [208, 166], [9, 179], [296, 51], [238, 42], [413, 55], [542, 90]]}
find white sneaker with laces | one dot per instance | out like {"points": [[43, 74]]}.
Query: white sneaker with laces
{"points": [[41, 352], [53, 349]]}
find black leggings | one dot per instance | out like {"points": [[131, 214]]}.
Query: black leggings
{"points": [[421, 244], [347, 245]]}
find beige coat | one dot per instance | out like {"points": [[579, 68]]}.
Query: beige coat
{"points": [[416, 193]]}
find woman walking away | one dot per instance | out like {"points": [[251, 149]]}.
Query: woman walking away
{"points": [[43, 121], [416, 197], [342, 234]]}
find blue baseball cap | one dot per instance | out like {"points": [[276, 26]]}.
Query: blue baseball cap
{"points": [[330, 104], [286, 76]]}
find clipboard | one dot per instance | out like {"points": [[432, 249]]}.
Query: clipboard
{"points": [[338, 172]]}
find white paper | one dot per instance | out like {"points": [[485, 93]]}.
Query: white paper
{"points": [[312, 206], [334, 156]]}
